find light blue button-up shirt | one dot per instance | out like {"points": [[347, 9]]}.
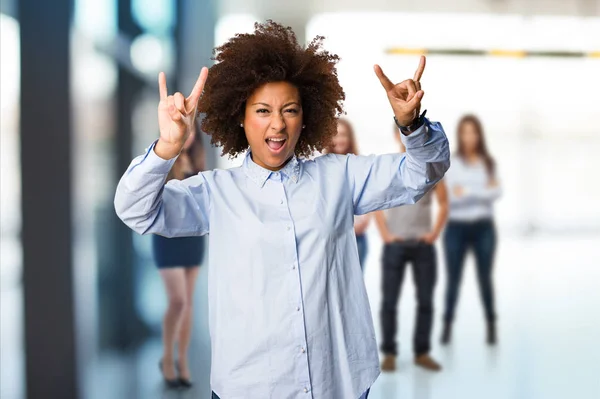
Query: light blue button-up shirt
{"points": [[288, 310]]}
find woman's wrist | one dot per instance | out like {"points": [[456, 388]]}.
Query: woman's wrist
{"points": [[407, 127], [166, 150]]}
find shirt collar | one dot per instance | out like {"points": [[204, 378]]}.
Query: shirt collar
{"points": [[260, 175]]}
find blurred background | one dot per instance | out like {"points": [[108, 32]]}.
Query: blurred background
{"points": [[81, 300]]}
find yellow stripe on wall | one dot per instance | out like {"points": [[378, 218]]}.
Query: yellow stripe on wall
{"points": [[407, 51], [508, 53], [492, 53]]}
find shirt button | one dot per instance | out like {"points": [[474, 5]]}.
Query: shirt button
{"points": [[288, 228], [298, 309], [305, 390], [281, 202], [294, 267], [303, 350]]}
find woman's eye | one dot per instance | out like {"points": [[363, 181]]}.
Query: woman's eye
{"points": [[292, 110], [262, 111]]}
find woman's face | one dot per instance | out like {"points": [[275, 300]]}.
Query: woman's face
{"points": [[469, 137], [342, 143], [273, 123]]}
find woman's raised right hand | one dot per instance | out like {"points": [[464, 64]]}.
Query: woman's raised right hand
{"points": [[176, 116]]}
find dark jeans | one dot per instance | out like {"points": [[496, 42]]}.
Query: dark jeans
{"points": [[480, 236], [361, 243], [214, 395], [395, 257]]}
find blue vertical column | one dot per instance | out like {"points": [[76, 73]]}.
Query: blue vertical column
{"points": [[120, 325], [46, 199]]}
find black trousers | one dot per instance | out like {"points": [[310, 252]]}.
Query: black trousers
{"points": [[423, 259], [460, 237]]}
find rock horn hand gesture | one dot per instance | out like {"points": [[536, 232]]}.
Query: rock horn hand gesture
{"points": [[176, 115], [405, 97]]}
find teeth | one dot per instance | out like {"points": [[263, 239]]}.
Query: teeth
{"points": [[274, 139]]}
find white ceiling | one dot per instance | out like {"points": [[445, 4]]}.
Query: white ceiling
{"points": [[298, 9]]}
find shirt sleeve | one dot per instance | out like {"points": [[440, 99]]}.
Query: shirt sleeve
{"points": [[485, 193], [387, 181], [147, 205], [471, 194], [474, 195]]}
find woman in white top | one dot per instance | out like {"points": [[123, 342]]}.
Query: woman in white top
{"points": [[472, 187], [344, 143]]}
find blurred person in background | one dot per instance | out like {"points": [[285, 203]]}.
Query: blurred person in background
{"points": [[473, 187], [285, 285], [409, 235], [178, 260], [344, 143]]}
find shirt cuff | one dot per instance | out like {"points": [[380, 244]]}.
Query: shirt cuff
{"points": [[152, 163], [418, 138]]}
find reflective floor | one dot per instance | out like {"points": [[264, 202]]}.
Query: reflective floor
{"points": [[549, 328], [138, 375]]}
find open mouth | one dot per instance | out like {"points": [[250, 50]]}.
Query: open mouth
{"points": [[275, 144]]}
